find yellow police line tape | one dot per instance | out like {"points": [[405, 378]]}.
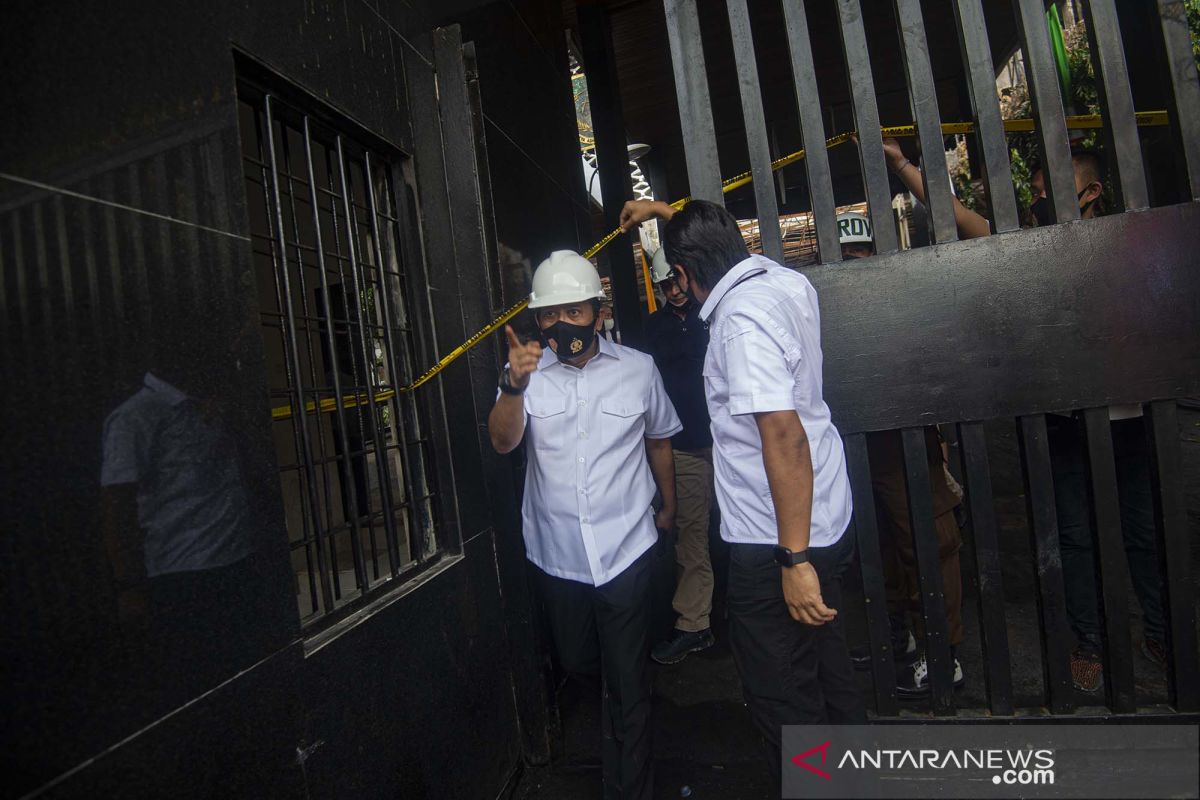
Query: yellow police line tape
{"points": [[329, 404]]}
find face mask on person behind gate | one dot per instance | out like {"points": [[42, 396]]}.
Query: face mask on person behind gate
{"points": [[1040, 209], [570, 341]]}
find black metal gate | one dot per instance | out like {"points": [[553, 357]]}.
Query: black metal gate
{"points": [[1075, 316]]}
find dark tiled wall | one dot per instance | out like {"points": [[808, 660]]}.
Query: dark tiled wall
{"points": [[124, 249], [530, 130]]}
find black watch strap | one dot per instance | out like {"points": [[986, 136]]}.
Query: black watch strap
{"points": [[787, 558], [506, 384]]}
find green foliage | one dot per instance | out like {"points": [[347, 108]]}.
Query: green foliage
{"points": [[1192, 7], [1015, 103]]}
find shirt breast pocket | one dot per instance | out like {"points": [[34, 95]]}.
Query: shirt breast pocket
{"points": [[547, 419], [621, 421]]}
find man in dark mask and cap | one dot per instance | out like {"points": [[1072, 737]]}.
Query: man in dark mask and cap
{"points": [[598, 424], [678, 340]]}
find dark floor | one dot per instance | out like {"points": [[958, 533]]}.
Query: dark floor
{"points": [[705, 746]]}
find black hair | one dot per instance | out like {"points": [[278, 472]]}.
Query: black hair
{"points": [[1090, 162], [705, 239]]}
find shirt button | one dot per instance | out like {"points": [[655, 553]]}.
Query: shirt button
{"points": [[583, 434], [585, 519], [581, 461], [583, 402]]}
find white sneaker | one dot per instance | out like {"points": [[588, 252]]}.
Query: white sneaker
{"points": [[913, 681]]}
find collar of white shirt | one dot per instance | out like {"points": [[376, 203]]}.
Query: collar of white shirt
{"points": [[172, 395], [550, 358], [754, 265]]}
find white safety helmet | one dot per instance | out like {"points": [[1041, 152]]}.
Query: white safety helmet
{"points": [[660, 270], [854, 228], [565, 277]]}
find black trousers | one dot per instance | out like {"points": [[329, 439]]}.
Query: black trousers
{"points": [[604, 632], [792, 673], [1068, 460]]}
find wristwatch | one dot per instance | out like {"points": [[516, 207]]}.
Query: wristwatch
{"points": [[506, 384], [786, 558]]}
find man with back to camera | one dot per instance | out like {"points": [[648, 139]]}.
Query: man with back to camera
{"points": [[678, 340], [780, 470], [598, 426]]}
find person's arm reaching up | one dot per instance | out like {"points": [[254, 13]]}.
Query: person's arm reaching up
{"points": [[635, 212], [970, 225]]}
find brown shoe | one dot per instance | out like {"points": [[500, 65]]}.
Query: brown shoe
{"points": [[1156, 651], [1087, 673]]}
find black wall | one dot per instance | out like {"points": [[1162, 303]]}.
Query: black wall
{"points": [[124, 243]]}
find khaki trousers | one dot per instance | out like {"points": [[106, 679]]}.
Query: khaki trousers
{"points": [[694, 575]]}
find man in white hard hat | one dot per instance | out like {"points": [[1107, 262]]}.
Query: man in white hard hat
{"points": [[678, 340], [598, 425], [780, 471], [896, 539]]}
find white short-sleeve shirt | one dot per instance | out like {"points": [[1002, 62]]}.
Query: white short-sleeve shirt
{"points": [[192, 503], [588, 486], [764, 354]]}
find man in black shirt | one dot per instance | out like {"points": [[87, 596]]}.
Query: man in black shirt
{"points": [[678, 340]]}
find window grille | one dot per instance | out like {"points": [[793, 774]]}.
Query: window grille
{"points": [[337, 323]]}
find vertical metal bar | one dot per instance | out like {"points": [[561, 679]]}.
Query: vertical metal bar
{"points": [[981, 80], [977, 482], [1185, 87], [1116, 104], [1110, 556], [1051, 595], [1047, 109], [330, 337], [866, 528], [929, 570], [367, 361], [612, 159], [298, 409], [312, 366], [399, 376], [922, 91], [311, 542], [695, 110], [381, 455], [866, 122], [1174, 552], [812, 130], [756, 130]]}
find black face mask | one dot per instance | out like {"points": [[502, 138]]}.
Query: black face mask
{"points": [[571, 341], [1040, 209]]}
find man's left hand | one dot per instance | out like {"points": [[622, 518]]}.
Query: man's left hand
{"points": [[802, 591], [664, 520]]}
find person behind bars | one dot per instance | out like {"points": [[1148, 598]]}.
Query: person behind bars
{"points": [[1068, 457]]}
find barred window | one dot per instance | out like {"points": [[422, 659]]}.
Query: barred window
{"points": [[337, 323]]}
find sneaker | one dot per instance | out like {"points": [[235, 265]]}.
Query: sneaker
{"points": [[1156, 651], [675, 649], [913, 680], [1087, 673], [903, 651]]}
